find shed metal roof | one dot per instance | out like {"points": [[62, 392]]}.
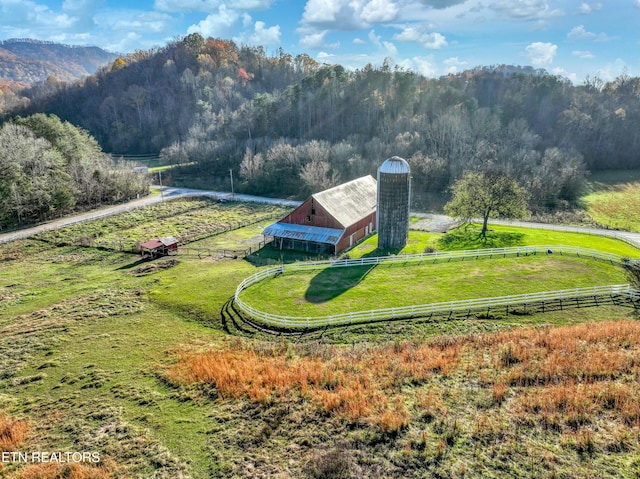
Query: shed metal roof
{"points": [[349, 202], [157, 243], [153, 244], [168, 240], [304, 233]]}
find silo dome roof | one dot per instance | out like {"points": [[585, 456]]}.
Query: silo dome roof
{"points": [[394, 165]]}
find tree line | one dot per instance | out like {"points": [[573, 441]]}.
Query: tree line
{"points": [[289, 125], [49, 168]]}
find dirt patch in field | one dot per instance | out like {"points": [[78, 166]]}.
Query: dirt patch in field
{"points": [[154, 267]]}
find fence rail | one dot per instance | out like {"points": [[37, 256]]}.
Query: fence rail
{"points": [[619, 292]]}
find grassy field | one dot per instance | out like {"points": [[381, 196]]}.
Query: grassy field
{"points": [[360, 288], [188, 219], [467, 237], [99, 351], [613, 199]]}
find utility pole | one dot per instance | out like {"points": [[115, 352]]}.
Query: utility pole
{"points": [[161, 189], [231, 174]]}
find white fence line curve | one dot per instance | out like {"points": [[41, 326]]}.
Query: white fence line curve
{"points": [[419, 310]]}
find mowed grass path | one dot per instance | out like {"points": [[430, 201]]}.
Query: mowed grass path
{"points": [[358, 288]]}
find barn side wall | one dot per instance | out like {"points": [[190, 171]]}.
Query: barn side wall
{"points": [[310, 213], [359, 230]]}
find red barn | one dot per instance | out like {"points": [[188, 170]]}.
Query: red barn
{"points": [[330, 221]]}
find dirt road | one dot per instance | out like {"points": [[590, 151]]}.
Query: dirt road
{"points": [[438, 222]]}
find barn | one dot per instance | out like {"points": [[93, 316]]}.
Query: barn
{"points": [[330, 221]]}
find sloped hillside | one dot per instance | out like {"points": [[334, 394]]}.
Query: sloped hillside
{"points": [[31, 61]]}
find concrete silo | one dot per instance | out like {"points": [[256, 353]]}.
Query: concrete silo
{"points": [[394, 191]]}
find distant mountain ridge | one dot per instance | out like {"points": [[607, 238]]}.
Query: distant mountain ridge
{"points": [[31, 61]]}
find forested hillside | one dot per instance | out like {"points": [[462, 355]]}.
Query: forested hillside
{"points": [[288, 125], [31, 61], [49, 168]]}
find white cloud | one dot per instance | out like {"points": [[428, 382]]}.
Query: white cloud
{"points": [[613, 70], [313, 40], [219, 24], [83, 12], [420, 65], [128, 21], [588, 8], [262, 35], [562, 72], [541, 53], [240, 26], [186, 5], [126, 43], [430, 41], [247, 21], [324, 55], [34, 19], [210, 6], [441, 4], [345, 15], [454, 64], [388, 47], [583, 54], [581, 33], [379, 11], [359, 41], [525, 10]]}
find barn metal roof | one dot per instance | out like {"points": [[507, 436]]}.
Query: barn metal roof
{"points": [[304, 233], [349, 202]]}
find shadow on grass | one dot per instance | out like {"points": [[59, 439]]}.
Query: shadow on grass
{"points": [[468, 237], [135, 263], [332, 282], [273, 256]]}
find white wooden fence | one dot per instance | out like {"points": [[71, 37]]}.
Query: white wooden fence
{"points": [[619, 291]]}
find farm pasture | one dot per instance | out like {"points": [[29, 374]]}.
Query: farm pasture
{"points": [[94, 355]]}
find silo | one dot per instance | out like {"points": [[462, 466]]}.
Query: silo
{"points": [[394, 190]]}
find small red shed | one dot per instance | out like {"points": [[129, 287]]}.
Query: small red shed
{"points": [[160, 247]]}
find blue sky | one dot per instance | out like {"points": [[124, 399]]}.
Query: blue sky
{"points": [[572, 38]]}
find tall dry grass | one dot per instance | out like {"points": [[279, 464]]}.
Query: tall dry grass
{"points": [[13, 437], [576, 404], [60, 471], [357, 384], [13, 433], [585, 352], [558, 377]]}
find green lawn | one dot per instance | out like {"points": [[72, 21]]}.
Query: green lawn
{"points": [[361, 288], [465, 238], [613, 199]]}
